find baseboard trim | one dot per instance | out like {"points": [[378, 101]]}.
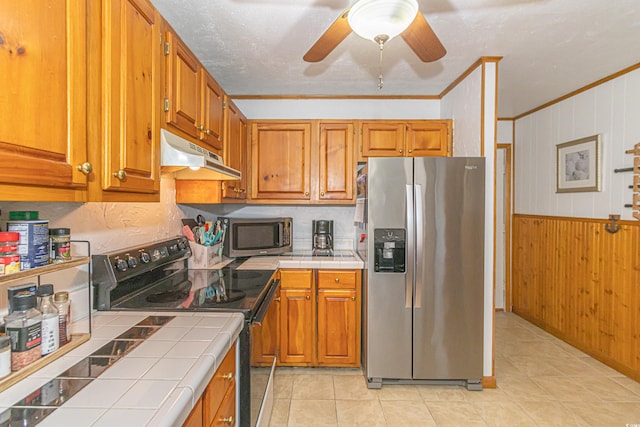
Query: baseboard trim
{"points": [[489, 382]]}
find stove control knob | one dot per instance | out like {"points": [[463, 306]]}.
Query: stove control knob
{"points": [[121, 265], [132, 262], [182, 244], [173, 249], [145, 257]]}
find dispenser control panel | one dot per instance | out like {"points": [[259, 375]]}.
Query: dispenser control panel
{"points": [[390, 250]]}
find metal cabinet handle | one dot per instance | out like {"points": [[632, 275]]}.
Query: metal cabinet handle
{"points": [[277, 299], [410, 151], [322, 193], [208, 132], [86, 168], [353, 298], [400, 150], [200, 128], [227, 420], [121, 174], [227, 376], [337, 280], [307, 297], [306, 193]]}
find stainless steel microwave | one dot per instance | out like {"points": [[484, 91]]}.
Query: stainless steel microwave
{"points": [[257, 236]]}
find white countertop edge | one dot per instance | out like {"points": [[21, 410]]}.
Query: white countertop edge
{"points": [[178, 403]]}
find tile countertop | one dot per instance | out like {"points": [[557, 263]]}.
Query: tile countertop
{"points": [[341, 259], [157, 383]]}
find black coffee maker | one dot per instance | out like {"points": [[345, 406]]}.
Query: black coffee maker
{"points": [[322, 237]]}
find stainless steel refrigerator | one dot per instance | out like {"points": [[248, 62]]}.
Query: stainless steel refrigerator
{"points": [[422, 238]]}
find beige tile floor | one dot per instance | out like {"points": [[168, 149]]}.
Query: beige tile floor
{"points": [[542, 381]]}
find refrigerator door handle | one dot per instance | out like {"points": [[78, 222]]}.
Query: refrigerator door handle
{"points": [[409, 259], [419, 236]]}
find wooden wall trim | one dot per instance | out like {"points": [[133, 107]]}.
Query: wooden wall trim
{"points": [[572, 218], [331, 97], [581, 283], [489, 382]]}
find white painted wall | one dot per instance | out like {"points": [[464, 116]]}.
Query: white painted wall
{"points": [[505, 131], [610, 109], [401, 109], [463, 105]]}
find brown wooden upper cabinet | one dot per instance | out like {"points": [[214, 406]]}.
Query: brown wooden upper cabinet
{"points": [[194, 102], [235, 152], [415, 138], [281, 161], [43, 100], [310, 161], [131, 29]]}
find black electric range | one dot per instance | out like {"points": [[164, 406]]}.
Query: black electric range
{"points": [[156, 277]]}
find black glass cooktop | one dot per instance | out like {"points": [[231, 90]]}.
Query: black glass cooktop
{"points": [[225, 289]]}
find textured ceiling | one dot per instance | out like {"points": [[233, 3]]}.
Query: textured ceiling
{"points": [[549, 47]]}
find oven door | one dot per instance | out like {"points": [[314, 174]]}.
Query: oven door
{"points": [[265, 347]]}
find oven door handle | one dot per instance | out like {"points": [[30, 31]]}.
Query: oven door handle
{"points": [[262, 310]]}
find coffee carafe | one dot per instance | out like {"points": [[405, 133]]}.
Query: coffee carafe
{"points": [[322, 237]]}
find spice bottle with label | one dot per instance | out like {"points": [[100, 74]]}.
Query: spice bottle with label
{"points": [[60, 239], [61, 300], [9, 256], [24, 327], [50, 322]]}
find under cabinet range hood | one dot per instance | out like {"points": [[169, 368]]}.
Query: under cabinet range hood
{"points": [[189, 161]]}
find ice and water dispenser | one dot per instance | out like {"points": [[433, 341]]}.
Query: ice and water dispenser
{"points": [[389, 247]]}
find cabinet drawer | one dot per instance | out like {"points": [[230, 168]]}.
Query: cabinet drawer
{"points": [[296, 279], [226, 416], [337, 279], [222, 380]]}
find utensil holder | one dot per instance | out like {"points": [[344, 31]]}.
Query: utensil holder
{"points": [[203, 257]]}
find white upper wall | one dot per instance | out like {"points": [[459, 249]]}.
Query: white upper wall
{"points": [[291, 109], [505, 131], [611, 110], [463, 105]]}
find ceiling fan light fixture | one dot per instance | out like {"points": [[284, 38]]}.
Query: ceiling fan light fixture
{"points": [[373, 18]]}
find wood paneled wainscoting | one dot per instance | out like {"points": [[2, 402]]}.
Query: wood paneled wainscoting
{"points": [[581, 283]]}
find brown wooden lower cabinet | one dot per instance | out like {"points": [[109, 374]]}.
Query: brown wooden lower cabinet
{"points": [[217, 405], [320, 317]]}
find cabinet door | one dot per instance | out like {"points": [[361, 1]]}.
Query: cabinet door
{"points": [[297, 332], [195, 417], [43, 95], [280, 160], [383, 139], [265, 338], [131, 79], [211, 124], [182, 86], [226, 415], [428, 138], [336, 170], [235, 152], [338, 328]]}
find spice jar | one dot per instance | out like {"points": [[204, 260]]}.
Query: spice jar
{"points": [[24, 328], [61, 301], [9, 256], [60, 239], [50, 329]]}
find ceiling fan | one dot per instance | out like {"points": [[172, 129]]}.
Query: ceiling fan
{"points": [[380, 21]]}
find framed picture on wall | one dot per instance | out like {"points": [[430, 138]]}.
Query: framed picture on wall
{"points": [[578, 165]]}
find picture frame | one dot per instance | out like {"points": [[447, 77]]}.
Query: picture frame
{"points": [[578, 166]]}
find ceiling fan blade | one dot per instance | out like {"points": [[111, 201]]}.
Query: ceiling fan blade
{"points": [[422, 40], [331, 38]]}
